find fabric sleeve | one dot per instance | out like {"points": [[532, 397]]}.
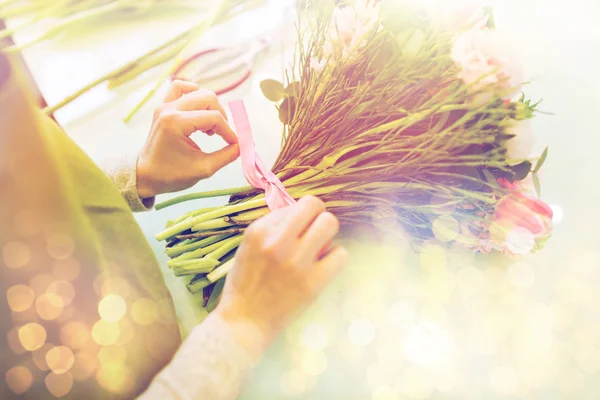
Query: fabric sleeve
{"points": [[123, 173], [211, 364]]}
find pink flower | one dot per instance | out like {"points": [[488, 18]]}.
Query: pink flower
{"points": [[485, 59], [348, 30], [520, 222], [521, 145]]}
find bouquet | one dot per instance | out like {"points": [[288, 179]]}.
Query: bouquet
{"points": [[396, 116]]}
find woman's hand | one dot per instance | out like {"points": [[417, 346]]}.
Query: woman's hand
{"points": [[170, 160], [278, 271]]}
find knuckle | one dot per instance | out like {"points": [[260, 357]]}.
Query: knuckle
{"points": [[166, 118], [331, 220], [314, 201]]}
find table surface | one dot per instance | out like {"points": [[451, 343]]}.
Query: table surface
{"points": [[448, 327]]}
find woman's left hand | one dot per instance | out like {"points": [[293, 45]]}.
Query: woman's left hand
{"points": [[171, 161]]}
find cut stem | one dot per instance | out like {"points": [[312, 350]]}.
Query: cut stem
{"points": [[211, 233], [203, 195]]}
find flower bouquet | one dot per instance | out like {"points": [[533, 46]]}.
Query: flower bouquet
{"points": [[400, 118]]}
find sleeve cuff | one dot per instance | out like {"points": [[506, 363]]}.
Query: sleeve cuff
{"points": [[123, 174]]}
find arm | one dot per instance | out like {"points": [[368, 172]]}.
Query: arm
{"points": [[170, 161], [277, 272], [123, 174]]}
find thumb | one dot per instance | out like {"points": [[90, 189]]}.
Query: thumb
{"points": [[220, 158]]}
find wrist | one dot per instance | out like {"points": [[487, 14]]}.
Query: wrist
{"points": [[143, 184], [255, 338]]}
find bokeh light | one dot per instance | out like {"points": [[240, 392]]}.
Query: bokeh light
{"points": [[105, 333], [60, 359], [521, 275], [361, 332], [112, 355], [64, 290], [32, 336], [59, 385], [19, 379], [143, 311], [49, 306], [112, 308], [20, 297], [314, 336], [60, 246], [116, 378], [16, 254]]}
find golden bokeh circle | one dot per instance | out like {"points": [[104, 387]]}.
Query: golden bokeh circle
{"points": [[112, 355], [40, 282], [20, 297], [112, 308], [59, 385], [60, 359], [32, 336], [16, 254], [60, 246], [49, 306], [64, 290], [143, 311], [105, 333], [116, 378], [19, 379]]}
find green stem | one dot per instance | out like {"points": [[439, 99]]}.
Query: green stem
{"points": [[178, 250], [228, 246], [219, 272], [202, 195], [194, 267], [211, 225]]}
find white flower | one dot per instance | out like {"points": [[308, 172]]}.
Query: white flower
{"points": [[521, 145], [484, 58]]}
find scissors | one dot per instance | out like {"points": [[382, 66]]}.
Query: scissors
{"points": [[230, 65]]}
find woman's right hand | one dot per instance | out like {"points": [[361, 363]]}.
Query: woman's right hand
{"points": [[279, 270]]}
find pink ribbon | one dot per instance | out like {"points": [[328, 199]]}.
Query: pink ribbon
{"points": [[255, 171]]}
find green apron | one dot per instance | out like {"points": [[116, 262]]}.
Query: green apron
{"points": [[84, 308]]}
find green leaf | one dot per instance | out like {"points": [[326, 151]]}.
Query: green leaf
{"points": [[541, 161], [520, 171], [293, 89], [287, 110], [272, 89], [491, 179], [536, 184]]}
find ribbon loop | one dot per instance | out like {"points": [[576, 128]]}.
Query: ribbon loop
{"points": [[254, 169]]}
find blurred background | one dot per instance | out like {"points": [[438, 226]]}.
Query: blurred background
{"points": [[396, 325]]}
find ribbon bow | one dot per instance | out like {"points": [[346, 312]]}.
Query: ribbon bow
{"points": [[254, 169]]}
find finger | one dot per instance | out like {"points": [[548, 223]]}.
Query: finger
{"points": [[206, 120], [300, 216], [324, 272], [213, 162], [318, 236], [179, 88], [201, 100]]}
